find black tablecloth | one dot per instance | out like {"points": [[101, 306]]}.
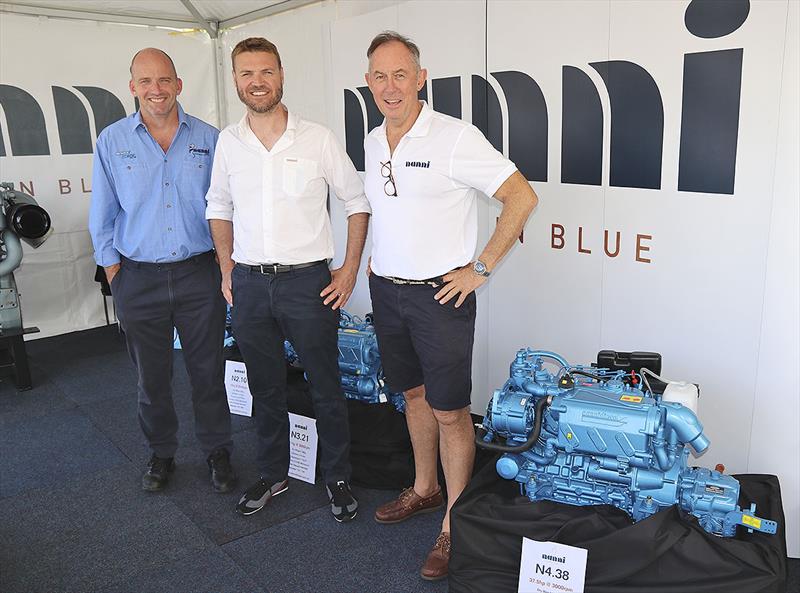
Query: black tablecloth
{"points": [[668, 552]]}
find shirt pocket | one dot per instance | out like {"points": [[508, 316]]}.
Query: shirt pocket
{"points": [[297, 175], [195, 175], [129, 176]]}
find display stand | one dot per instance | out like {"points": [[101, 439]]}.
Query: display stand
{"points": [[14, 357], [666, 553]]}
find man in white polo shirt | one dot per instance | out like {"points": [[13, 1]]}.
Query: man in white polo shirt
{"points": [[424, 172], [269, 221]]}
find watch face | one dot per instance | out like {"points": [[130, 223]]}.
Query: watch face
{"points": [[479, 267]]}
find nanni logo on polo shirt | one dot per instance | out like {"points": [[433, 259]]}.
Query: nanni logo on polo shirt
{"points": [[711, 90]]}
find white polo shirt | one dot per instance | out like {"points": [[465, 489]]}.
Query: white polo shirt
{"points": [[439, 166], [277, 199]]}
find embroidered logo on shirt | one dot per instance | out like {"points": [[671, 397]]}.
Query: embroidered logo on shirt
{"points": [[196, 150], [126, 154], [420, 164]]}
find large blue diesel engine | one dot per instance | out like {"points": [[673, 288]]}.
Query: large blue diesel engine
{"points": [[359, 363], [589, 436]]}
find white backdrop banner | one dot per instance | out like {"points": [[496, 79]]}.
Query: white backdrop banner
{"points": [[61, 83]]}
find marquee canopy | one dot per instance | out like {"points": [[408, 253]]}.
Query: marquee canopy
{"points": [[210, 15]]}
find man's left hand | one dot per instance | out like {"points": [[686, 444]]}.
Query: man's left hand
{"points": [[338, 292], [459, 282]]}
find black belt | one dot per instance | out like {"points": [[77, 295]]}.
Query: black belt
{"points": [[279, 268], [132, 263], [435, 282]]}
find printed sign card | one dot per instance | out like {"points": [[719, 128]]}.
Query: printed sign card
{"points": [[302, 447], [239, 399], [548, 567]]}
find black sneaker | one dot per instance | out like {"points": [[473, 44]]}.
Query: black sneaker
{"points": [[344, 505], [157, 474], [258, 495], [223, 478]]}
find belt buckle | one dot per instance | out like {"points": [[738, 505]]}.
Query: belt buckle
{"points": [[265, 269]]}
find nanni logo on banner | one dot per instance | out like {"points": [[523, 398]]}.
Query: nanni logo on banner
{"points": [[711, 90], [27, 129]]}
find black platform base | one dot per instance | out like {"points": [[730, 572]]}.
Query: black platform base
{"points": [[666, 553]]}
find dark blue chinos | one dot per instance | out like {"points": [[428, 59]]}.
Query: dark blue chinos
{"points": [[268, 308], [150, 300]]}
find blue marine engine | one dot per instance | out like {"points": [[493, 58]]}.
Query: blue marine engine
{"points": [[359, 363], [591, 436]]}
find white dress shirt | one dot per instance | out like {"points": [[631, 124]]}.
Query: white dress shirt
{"points": [[439, 166], [277, 199]]}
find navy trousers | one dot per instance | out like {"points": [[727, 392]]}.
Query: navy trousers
{"points": [[267, 309], [150, 300]]}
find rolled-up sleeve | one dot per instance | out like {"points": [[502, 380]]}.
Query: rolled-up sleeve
{"points": [[343, 178], [104, 208], [219, 204]]}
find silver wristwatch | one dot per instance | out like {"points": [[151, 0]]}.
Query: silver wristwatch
{"points": [[480, 269]]}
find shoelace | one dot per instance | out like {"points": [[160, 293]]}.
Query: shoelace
{"points": [[443, 542], [340, 494], [407, 495], [257, 490]]}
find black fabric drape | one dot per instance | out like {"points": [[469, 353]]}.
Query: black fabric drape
{"points": [[666, 553]]}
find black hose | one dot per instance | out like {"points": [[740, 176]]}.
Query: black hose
{"points": [[537, 429], [590, 375]]}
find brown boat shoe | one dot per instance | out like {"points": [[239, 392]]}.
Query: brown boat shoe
{"points": [[438, 560], [408, 504]]}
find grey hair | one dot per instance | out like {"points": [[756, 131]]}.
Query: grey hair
{"points": [[388, 36]]}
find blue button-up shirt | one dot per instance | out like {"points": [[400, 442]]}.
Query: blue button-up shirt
{"points": [[147, 205]]}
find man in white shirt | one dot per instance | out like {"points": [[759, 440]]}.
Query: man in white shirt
{"points": [[267, 207], [424, 171]]}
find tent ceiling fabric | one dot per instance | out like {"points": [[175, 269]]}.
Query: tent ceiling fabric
{"points": [[169, 13]]}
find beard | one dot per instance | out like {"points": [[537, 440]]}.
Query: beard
{"points": [[261, 107]]}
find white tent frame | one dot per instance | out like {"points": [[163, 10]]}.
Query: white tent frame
{"points": [[212, 27]]}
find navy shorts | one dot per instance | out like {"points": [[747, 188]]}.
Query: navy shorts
{"points": [[424, 343]]}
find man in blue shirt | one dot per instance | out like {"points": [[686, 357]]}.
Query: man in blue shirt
{"points": [[147, 222]]}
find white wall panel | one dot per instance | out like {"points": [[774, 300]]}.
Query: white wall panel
{"points": [[775, 435]]}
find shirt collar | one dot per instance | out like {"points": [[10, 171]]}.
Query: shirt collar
{"points": [[246, 132], [136, 119], [420, 127]]}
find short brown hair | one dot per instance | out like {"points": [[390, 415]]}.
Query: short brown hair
{"points": [[388, 36], [255, 44]]}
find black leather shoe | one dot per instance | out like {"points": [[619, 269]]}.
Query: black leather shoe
{"points": [[157, 474], [223, 478]]}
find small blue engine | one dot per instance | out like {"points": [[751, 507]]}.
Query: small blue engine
{"points": [[590, 436], [359, 363]]}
